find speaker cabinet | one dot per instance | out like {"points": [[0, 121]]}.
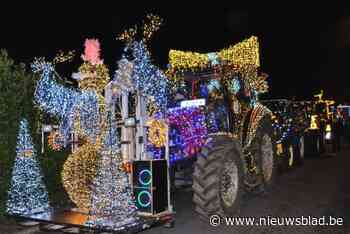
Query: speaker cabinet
{"points": [[150, 186]]}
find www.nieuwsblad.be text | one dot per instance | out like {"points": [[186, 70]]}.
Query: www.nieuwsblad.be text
{"points": [[216, 220]]}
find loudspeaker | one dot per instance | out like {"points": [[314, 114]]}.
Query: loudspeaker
{"points": [[150, 186]]}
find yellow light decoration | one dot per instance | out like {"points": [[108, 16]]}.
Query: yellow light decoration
{"points": [[279, 149], [28, 153], [245, 53], [157, 132], [63, 57], [313, 123], [96, 76], [128, 35], [180, 60], [152, 24], [78, 172], [52, 140]]}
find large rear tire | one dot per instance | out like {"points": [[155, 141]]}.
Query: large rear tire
{"points": [[218, 178], [263, 148]]}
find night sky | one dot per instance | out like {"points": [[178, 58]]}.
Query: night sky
{"points": [[303, 50]]}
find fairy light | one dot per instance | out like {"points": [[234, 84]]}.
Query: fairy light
{"points": [[27, 194], [192, 128], [147, 78], [55, 141], [64, 57], [83, 112], [78, 172], [151, 25], [157, 132], [242, 54], [112, 204]]}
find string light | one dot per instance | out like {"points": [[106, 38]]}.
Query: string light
{"points": [[78, 172], [151, 25], [112, 205], [147, 78], [257, 114], [62, 57], [83, 112], [157, 132], [55, 141], [245, 53], [27, 194], [192, 128]]}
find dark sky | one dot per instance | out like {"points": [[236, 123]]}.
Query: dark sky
{"points": [[302, 49]]}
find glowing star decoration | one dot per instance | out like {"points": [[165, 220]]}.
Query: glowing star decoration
{"points": [[112, 205], [27, 194]]}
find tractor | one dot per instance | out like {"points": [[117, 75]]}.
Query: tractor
{"points": [[321, 134], [239, 155], [289, 122]]}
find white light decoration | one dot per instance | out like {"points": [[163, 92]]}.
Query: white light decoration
{"points": [[27, 194]]}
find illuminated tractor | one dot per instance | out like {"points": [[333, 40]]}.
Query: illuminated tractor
{"points": [[239, 154], [213, 123], [320, 134], [289, 123]]}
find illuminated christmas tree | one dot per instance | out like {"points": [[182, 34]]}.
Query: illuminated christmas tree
{"points": [[27, 194], [112, 205]]}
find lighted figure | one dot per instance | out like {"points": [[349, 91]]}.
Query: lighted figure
{"points": [[86, 113], [112, 205], [27, 194]]}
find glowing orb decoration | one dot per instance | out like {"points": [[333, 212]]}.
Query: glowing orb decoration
{"points": [[78, 173]]}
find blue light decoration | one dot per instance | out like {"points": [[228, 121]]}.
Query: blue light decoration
{"points": [[213, 58], [192, 128], [212, 122], [147, 78], [27, 194], [213, 84], [112, 205], [204, 92], [66, 103], [53, 98], [235, 86]]}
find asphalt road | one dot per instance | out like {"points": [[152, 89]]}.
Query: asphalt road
{"points": [[319, 189]]}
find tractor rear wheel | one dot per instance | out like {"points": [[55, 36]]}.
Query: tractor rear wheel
{"points": [[263, 148]]}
